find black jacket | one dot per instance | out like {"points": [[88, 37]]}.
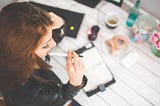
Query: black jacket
{"points": [[47, 92]]}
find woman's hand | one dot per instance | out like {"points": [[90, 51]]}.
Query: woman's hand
{"points": [[75, 68], [57, 20]]}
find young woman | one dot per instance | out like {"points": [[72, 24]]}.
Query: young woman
{"points": [[25, 79]]}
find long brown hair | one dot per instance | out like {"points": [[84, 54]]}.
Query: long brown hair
{"points": [[22, 25]]}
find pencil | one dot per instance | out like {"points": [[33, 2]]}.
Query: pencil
{"points": [[60, 54]]}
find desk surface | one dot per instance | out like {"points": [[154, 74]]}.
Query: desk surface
{"points": [[139, 85]]}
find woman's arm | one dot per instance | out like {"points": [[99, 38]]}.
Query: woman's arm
{"points": [[50, 92], [43, 94]]}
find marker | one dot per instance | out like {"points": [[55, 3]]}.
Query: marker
{"points": [[60, 54]]}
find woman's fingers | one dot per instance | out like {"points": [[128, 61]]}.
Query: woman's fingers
{"points": [[75, 68], [69, 60], [75, 60], [57, 20]]}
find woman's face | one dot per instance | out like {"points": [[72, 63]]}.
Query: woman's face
{"points": [[46, 44]]}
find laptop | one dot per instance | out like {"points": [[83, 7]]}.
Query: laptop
{"points": [[73, 19], [90, 3]]}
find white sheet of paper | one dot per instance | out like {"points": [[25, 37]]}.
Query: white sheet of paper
{"points": [[95, 69], [91, 58], [130, 59], [96, 76]]}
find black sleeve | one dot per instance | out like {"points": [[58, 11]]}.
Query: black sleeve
{"points": [[57, 94], [46, 94], [54, 94]]}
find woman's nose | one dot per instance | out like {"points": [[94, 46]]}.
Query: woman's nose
{"points": [[52, 43]]}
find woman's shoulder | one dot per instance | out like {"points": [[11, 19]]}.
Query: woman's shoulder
{"points": [[46, 74]]}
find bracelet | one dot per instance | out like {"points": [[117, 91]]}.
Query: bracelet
{"points": [[84, 82]]}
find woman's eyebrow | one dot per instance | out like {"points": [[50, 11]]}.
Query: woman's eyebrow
{"points": [[47, 42]]}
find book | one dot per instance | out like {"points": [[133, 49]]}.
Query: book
{"points": [[98, 75]]}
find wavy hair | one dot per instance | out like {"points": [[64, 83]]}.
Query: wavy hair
{"points": [[22, 26]]}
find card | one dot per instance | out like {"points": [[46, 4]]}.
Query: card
{"points": [[130, 59]]}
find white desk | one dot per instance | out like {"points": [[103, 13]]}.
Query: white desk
{"points": [[139, 85]]}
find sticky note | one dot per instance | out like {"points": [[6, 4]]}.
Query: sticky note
{"points": [[130, 59]]}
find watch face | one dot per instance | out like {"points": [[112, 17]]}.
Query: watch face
{"points": [[58, 34]]}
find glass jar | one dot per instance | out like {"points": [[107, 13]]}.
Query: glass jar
{"points": [[143, 28]]}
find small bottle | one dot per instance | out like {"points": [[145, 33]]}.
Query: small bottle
{"points": [[133, 14]]}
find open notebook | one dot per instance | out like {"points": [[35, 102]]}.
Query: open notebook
{"points": [[98, 75]]}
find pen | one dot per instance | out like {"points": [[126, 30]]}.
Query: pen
{"points": [[60, 54]]}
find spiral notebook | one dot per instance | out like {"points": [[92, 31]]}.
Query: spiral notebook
{"points": [[98, 75]]}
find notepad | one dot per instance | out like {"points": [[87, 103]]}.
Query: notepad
{"points": [[91, 58], [130, 59], [96, 71]]}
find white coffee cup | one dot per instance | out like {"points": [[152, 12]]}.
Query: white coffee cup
{"points": [[112, 19]]}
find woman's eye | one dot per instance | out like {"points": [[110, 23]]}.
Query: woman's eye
{"points": [[44, 47]]}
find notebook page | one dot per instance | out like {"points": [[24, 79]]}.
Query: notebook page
{"points": [[96, 76], [96, 71], [91, 58]]}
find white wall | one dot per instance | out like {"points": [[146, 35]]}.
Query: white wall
{"points": [[151, 6]]}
